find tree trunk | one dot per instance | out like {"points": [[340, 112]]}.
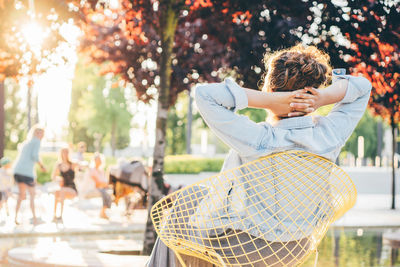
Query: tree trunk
{"points": [[379, 137], [169, 19], [36, 109], [113, 138], [189, 125], [393, 125], [2, 118], [29, 104]]}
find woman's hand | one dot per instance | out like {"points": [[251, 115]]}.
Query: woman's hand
{"points": [[292, 104], [42, 167], [309, 95]]}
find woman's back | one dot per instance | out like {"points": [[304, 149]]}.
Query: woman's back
{"points": [[261, 208]]}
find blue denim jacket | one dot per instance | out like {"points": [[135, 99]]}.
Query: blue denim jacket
{"points": [[29, 155], [321, 135]]}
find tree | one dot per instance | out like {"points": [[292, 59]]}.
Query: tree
{"points": [[21, 49], [110, 119], [176, 128], [367, 127], [365, 35], [15, 116], [165, 47], [99, 110], [78, 129]]}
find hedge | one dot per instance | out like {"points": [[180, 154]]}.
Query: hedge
{"points": [[182, 164], [191, 164]]}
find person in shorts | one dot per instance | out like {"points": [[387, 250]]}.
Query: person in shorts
{"points": [[24, 174]]}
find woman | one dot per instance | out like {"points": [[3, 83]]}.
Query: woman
{"points": [[6, 182], [289, 94], [99, 177], [64, 169], [24, 174]]}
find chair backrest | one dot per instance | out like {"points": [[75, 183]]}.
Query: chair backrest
{"points": [[273, 211]]}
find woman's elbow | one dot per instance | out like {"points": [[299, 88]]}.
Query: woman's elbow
{"points": [[199, 93], [200, 97], [364, 84]]}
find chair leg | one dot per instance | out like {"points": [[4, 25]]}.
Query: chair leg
{"points": [[181, 261], [316, 258]]}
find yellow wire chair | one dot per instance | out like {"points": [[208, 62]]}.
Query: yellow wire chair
{"points": [[273, 211]]}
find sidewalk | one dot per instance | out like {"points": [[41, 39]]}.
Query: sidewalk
{"points": [[111, 253], [372, 210], [81, 216]]}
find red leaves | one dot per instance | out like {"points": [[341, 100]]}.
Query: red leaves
{"points": [[241, 17], [196, 4]]}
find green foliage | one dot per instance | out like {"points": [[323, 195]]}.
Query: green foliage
{"points": [[367, 127], [257, 115], [191, 164], [49, 160], [78, 130], [15, 116], [99, 110], [176, 131]]}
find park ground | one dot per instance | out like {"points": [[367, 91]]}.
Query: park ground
{"points": [[87, 236]]}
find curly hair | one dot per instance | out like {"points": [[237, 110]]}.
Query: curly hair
{"points": [[295, 68]]}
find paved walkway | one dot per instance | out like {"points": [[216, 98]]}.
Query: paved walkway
{"points": [[372, 210], [91, 253], [81, 216]]}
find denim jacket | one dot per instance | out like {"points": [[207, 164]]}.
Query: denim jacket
{"points": [[321, 135]]}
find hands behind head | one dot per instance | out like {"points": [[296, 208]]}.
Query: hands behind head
{"points": [[296, 103]]}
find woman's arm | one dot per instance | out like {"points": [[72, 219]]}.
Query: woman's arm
{"points": [[283, 104], [42, 167], [350, 94], [217, 104], [330, 95], [97, 180], [55, 173], [35, 156]]}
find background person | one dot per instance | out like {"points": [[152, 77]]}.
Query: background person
{"points": [[98, 175], [80, 153], [64, 169], [6, 182], [24, 173]]}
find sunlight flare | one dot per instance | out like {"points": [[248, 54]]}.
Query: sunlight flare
{"points": [[33, 34]]}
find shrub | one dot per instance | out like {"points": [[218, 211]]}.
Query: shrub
{"points": [[192, 164], [182, 164]]}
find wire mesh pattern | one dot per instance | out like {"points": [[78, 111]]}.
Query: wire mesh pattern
{"points": [[273, 211]]}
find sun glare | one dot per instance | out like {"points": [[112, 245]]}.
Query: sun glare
{"points": [[33, 34]]}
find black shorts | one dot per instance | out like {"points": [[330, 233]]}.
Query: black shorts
{"points": [[29, 181], [4, 195]]}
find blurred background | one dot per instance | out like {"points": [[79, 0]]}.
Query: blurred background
{"points": [[119, 76]]}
